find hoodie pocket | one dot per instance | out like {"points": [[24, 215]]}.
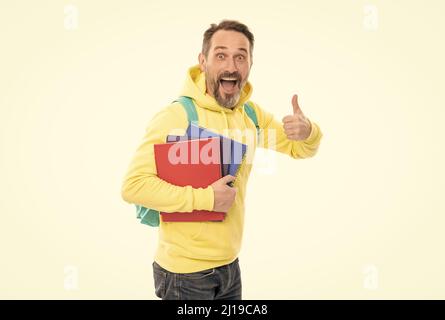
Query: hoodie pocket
{"points": [[200, 230], [184, 230]]}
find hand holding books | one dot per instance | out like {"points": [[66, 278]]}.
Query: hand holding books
{"points": [[224, 195]]}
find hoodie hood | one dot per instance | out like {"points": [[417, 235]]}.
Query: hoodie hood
{"points": [[195, 88]]}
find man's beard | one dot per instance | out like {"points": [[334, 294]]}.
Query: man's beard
{"points": [[230, 100]]}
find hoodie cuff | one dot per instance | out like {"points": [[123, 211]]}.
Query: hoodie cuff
{"points": [[313, 136], [203, 198]]}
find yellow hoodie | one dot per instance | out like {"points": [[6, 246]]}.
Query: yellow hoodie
{"points": [[194, 246]]}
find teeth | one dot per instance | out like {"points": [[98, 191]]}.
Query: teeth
{"points": [[229, 79]]}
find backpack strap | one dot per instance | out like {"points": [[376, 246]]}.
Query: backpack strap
{"points": [[149, 217], [189, 107], [252, 115]]}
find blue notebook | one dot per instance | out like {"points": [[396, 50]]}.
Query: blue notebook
{"points": [[232, 152]]}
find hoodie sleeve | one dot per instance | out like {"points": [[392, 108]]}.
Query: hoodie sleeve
{"points": [[273, 137], [141, 184]]}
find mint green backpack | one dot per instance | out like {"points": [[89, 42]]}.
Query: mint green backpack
{"points": [[150, 216]]}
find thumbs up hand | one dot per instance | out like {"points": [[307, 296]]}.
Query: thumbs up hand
{"points": [[296, 126]]}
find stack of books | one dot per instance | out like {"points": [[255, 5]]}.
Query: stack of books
{"points": [[197, 159]]}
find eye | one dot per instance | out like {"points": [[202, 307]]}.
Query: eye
{"points": [[220, 56], [241, 58]]}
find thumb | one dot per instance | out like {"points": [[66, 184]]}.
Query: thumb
{"points": [[226, 179], [295, 105]]}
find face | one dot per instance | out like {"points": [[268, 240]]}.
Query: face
{"points": [[226, 66]]}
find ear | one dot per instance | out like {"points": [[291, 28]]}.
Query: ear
{"points": [[202, 61]]}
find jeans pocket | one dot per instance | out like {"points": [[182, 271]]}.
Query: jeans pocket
{"points": [[160, 279]]}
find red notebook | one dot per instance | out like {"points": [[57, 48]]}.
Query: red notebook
{"points": [[195, 163]]}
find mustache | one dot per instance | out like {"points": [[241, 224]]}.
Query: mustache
{"points": [[235, 75]]}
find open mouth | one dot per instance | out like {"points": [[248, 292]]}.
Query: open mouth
{"points": [[229, 85]]}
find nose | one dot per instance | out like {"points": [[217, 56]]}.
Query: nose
{"points": [[231, 66]]}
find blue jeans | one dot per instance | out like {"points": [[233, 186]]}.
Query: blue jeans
{"points": [[221, 283]]}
